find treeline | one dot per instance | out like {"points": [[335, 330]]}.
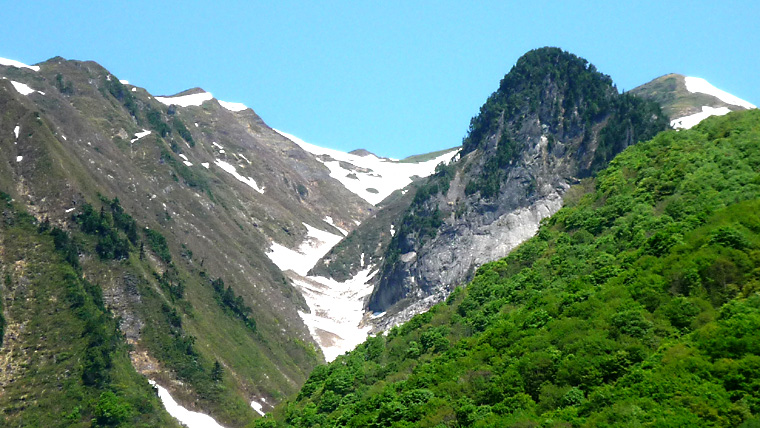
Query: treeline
{"points": [[638, 303]]}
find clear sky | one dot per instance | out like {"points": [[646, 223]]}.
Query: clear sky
{"points": [[395, 77]]}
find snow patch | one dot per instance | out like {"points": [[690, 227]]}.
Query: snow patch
{"points": [[393, 231], [697, 84], [22, 88], [217, 145], [246, 159], [317, 244], [329, 220], [187, 163], [19, 158], [371, 172], [183, 157], [16, 130], [139, 135], [233, 171], [124, 82], [690, 121], [70, 210], [187, 417], [337, 310], [134, 89], [186, 100], [233, 106], [205, 164], [14, 63], [257, 407]]}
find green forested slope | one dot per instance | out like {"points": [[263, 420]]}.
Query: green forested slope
{"points": [[64, 361], [637, 304]]}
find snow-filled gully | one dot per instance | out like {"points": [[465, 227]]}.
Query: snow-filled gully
{"points": [[337, 308]]}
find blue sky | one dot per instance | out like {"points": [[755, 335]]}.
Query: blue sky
{"points": [[395, 77]]}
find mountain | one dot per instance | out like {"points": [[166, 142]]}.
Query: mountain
{"points": [[554, 120], [688, 100], [186, 220], [337, 301], [636, 304], [170, 205]]}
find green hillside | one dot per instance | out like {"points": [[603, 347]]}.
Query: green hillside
{"points": [[64, 361], [637, 304]]}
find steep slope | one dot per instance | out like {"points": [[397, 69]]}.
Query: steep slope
{"points": [[637, 304], [688, 100], [61, 362], [336, 295], [553, 120], [209, 187]]}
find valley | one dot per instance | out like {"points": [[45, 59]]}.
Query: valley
{"points": [[226, 261]]}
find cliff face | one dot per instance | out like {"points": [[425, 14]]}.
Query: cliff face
{"points": [[553, 121]]}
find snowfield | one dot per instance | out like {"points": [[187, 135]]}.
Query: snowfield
{"points": [[697, 84], [22, 88], [143, 133], [186, 100], [317, 244], [233, 171], [14, 63], [692, 120], [233, 106], [702, 86], [257, 407], [337, 310], [370, 177], [187, 417]]}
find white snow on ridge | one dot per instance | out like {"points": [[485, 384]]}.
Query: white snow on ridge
{"points": [[232, 170], [337, 309], [124, 82], [317, 244], [697, 84], [187, 417], [19, 64], [186, 100], [139, 135], [22, 88], [690, 121], [372, 173], [233, 106]]}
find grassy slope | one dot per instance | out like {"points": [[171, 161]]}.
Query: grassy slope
{"points": [[48, 336], [255, 363], [637, 304]]}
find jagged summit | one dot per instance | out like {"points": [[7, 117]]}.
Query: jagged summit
{"points": [[553, 119]]}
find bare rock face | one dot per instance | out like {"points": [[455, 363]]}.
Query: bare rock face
{"points": [[554, 120]]}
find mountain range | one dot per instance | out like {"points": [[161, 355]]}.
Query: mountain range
{"points": [[181, 240]]}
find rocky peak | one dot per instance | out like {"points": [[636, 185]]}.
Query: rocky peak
{"points": [[554, 119]]}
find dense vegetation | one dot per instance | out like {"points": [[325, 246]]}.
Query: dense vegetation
{"points": [[638, 303]]}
